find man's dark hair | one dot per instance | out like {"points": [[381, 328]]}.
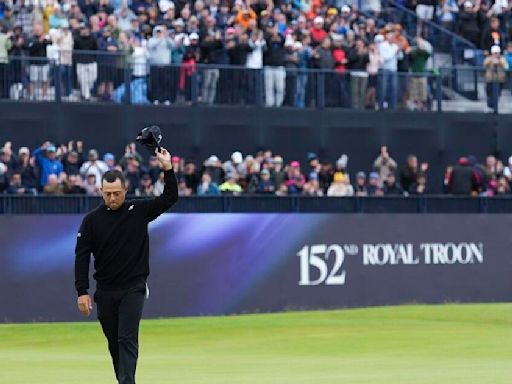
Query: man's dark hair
{"points": [[112, 176]]}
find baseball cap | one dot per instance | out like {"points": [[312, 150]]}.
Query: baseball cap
{"points": [[175, 159], [193, 36], [378, 38], [51, 148], [237, 157], [374, 175], [339, 177], [345, 8], [495, 49], [93, 152], [24, 150], [108, 156], [265, 172], [318, 20], [295, 164], [361, 174], [332, 11], [312, 156], [278, 159]]}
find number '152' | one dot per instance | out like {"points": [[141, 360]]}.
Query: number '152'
{"points": [[315, 258]]}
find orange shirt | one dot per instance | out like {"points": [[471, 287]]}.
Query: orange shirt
{"points": [[243, 20]]}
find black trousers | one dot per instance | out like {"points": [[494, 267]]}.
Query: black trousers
{"points": [[119, 313]]}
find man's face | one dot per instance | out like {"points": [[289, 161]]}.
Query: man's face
{"points": [[51, 155], [113, 194], [16, 179]]}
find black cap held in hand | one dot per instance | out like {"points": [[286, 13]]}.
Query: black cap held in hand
{"points": [[150, 137]]}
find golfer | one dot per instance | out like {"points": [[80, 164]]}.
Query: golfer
{"points": [[116, 233]]}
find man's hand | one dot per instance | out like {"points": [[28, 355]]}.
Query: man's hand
{"points": [[164, 157], [84, 305]]}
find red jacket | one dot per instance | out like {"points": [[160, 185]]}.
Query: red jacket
{"points": [[340, 59]]}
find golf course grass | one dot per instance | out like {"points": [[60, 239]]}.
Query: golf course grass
{"points": [[443, 344]]}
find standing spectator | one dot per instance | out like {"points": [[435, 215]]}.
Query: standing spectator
{"points": [[409, 174], [5, 45], [358, 60], [275, 74], [109, 46], [318, 33], [495, 74], [63, 39], [384, 164], [110, 160], [388, 52], [26, 169], [447, 13], [424, 11], [469, 23], [373, 69], [211, 47], [39, 67], [47, 161], [238, 52], [462, 180], [255, 64], [291, 63], [207, 187], [160, 47], [340, 186], [418, 89], [94, 166], [72, 162], [493, 35], [86, 67]]}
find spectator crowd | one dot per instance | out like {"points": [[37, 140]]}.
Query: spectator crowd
{"points": [[167, 44], [70, 169]]}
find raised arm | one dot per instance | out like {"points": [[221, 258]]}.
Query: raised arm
{"points": [[155, 207]]}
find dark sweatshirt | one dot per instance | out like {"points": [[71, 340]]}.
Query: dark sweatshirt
{"points": [[119, 241]]}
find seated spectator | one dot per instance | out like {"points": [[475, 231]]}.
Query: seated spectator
{"points": [[145, 188], [235, 165], [409, 173], [213, 167], [360, 188], [312, 187], [391, 186], [72, 162], [190, 175], [110, 160], [74, 185], [133, 173], [295, 179], [503, 187], [207, 187], [265, 184], [91, 186], [230, 186], [183, 190], [420, 186], [278, 174], [373, 187], [53, 186], [340, 186], [16, 186]]}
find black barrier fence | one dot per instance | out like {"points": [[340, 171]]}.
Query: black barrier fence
{"points": [[217, 264], [108, 77], [38, 205]]}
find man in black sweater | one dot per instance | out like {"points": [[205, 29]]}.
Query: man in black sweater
{"points": [[116, 233]]}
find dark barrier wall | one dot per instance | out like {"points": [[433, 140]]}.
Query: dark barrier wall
{"points": [[234, 263], [439, 138]]}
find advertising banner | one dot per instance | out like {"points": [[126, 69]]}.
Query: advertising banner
{"points": [[213, 264]]}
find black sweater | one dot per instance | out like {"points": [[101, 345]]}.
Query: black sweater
{"points": [[119, 241]]}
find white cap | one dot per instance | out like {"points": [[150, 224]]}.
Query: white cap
{"points": [[495, 49], [318, 20], [297, 45], [378, 38], [193, 36], [237, 157], [213, 159], [165, 5], [345, 8], [25, 150], [468, 4]]}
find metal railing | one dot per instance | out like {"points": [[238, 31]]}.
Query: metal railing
{"points": [[93, 76], [22, 205]]}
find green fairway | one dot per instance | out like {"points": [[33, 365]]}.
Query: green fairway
{"points": [[445, 344]]}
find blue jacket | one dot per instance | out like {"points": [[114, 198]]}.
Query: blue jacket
{"points": [[47, 166]]}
